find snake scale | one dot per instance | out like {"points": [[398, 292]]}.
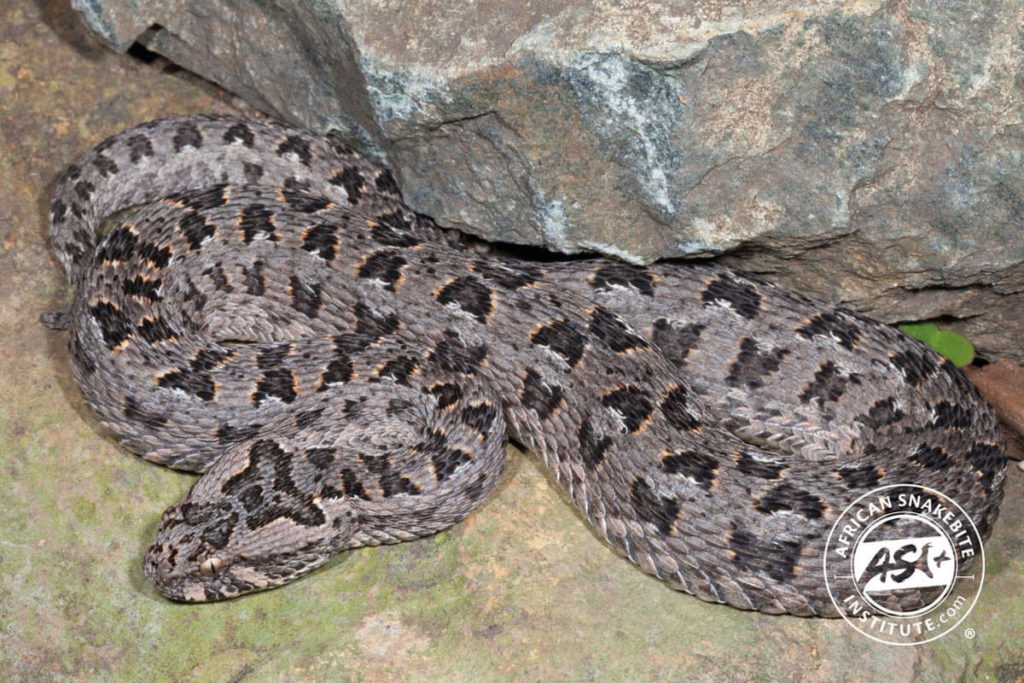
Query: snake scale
{"points": [[272, 315]]}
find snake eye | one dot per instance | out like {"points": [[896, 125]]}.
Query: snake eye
{"points": [[211, 566]]}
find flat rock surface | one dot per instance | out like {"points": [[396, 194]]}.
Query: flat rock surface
{"points": [[869, 152], [521, 590]]}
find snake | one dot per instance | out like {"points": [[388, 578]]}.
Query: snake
{"points": [[257, 304]]}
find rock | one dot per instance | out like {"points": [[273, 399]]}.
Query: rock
{"points": [[1002, 385], [866, 152]]}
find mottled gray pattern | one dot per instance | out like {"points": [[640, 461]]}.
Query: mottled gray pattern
{"points": [[275, 317]]}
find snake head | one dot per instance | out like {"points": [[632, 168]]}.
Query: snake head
{"points": [[190, 562], [249, 524]]}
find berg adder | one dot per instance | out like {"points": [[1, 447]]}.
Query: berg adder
{"points": [[275, 317]]}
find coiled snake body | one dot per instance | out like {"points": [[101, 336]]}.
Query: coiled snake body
{"points": [[275, 317]]}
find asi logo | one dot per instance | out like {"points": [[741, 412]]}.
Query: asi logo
{"points": [[882, 567], [904, 564]]}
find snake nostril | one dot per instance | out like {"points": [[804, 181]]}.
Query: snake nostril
{"points": [[159, 569]]}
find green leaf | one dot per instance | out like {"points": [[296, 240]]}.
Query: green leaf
{"points": [[949, 344], [924, 332]]}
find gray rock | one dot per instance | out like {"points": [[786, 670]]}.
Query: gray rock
{"points": [[868, 152]]}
